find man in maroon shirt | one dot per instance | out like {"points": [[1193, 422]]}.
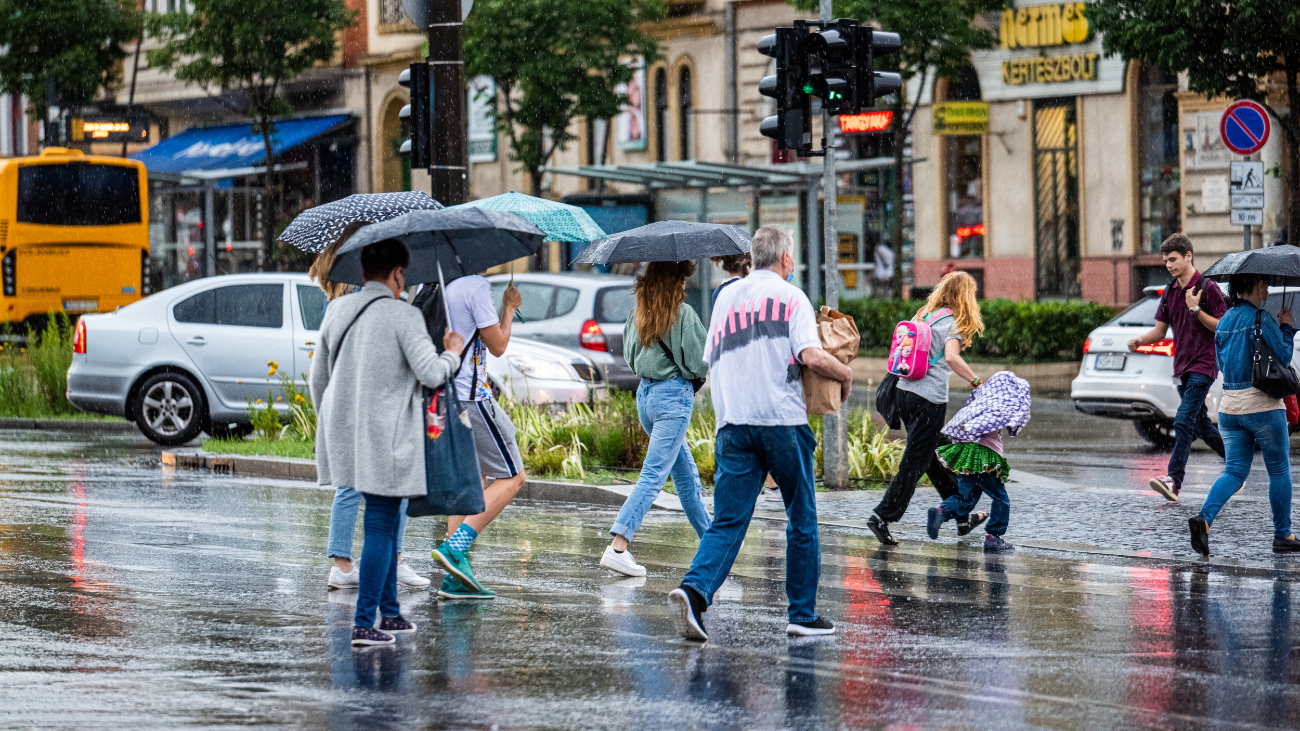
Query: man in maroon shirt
{"points": [[1192, 307]]}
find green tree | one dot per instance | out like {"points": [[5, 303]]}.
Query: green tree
{"points": [[78, 43], [251, 48], [1230, 49], [553, 61], [937, 38]]}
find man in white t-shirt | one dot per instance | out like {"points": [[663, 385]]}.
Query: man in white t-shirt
{"points": [[470, 313], [763, 329]]}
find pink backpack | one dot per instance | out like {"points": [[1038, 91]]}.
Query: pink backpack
{"points": [[910, 349]]}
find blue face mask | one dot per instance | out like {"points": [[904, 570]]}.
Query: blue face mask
{"points": [[790, 278]]}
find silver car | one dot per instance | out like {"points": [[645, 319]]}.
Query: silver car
{"points": [[582, 312], [1141, 387], [193, 357]]}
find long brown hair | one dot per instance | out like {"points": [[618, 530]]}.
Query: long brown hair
{"points": [[659, 294], [320, 268], [956, 292]]}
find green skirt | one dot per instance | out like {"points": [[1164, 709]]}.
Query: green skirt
{"points": [[968, 458]]}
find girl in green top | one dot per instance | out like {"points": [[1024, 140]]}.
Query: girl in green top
{"points": [[663, 343]]}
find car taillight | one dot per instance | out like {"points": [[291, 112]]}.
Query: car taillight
{"points": [[592, 337], [79, 338], [1164, 347], [1087, 345]]}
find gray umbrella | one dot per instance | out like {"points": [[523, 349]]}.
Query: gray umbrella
{"points": [[463, 240], [1280, 263], [316, 228], [667, 241]]}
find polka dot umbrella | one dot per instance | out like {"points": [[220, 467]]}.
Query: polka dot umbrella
{"points": [[316, 228]]}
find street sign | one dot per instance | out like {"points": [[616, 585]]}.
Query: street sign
{"points": [[1247, 184], [1246, 217], [876, 121], [1244, 127]]}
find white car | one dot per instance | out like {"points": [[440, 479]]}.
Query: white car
{"points": [[1117, 384], [193, 357]]}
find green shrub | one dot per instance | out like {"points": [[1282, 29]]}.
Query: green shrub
{"points": [[33, 377], [1014, 331], [611, 446]]}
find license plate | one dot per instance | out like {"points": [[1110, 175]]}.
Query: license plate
{"points": [[1111, 362], [80, 305]]}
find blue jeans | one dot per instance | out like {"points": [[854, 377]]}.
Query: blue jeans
{"points": [[378, 577], [1240, 434], [664, 408], [969, 489], [343, 523], [744, 456], [1191, 423]]}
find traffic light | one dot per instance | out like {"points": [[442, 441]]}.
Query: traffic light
{"points": [[417, 117], [830, 59], [873, 84], [790, 126]]}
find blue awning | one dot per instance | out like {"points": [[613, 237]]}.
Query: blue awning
{"points": [[231, 149]]}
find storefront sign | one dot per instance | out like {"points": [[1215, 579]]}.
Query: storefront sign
{"points": [[875, 121], [1050, 70], [108, 129], [961, 118], [1044, 25]]}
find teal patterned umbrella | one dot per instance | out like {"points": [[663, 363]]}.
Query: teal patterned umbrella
{"points": [[559, 221]]}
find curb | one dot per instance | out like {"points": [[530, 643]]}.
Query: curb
{"points": [[68, 425], [288, 468]]}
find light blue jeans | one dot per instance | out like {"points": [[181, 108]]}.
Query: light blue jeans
{"points": [[664, 408], [343, 522], [1240, 434]]}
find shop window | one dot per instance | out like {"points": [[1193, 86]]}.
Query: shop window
{"points": [[685, 110], [1056, 198], [1159, 179], [661, 114], [964, 177]]}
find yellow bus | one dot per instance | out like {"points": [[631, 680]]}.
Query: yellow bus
{"points": [[74, 234]]}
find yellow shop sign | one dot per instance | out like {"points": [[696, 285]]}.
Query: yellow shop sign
{"points": [[1037, 26], [1050, 69], [961, 118]]}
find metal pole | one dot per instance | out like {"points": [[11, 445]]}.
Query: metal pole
{"points": [[704, 267], [813, 268], [209, 232], [732, 114], [834, 426], [1245, 238], [447, 174]]}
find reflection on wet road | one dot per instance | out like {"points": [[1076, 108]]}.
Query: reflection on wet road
{"points": [[133, 597]]}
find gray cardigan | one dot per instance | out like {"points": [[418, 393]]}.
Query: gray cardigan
{"points": [[370, 415]]}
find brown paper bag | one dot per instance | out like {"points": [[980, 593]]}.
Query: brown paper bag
{"points": [[840, 337]]}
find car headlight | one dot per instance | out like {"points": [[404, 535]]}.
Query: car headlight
{"points": [[538, 368]]}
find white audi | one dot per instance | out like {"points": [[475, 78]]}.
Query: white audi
{"points": [[191, 358]]}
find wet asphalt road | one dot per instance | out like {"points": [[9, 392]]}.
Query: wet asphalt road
{"points": [[134, 597]]}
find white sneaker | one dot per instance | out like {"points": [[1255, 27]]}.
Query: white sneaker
{"points": [[621, 562], [1166, 487], [406, 576], [343, 579]]}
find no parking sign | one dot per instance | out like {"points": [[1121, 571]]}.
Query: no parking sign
{"points": [[1244, 127]]}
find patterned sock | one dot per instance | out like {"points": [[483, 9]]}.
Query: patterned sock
{"points": [[462, 539]]}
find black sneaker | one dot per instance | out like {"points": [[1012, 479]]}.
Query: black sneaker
{"points": [[362, 636], [1201, 535], [688, 607], [881, 529], [1286, 545], [396, 626], [819, 626], [973, 521]]}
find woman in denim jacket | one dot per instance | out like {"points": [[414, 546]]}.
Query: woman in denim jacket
{"points": [[1248, 416]]}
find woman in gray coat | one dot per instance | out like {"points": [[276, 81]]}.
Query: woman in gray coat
{"points": [[374, 354]]}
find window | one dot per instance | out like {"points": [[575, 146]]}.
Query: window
{"points": [[1141, 313], [1159, 178], [565, 300], [311, 304], [244, 305], [614, 304], [661, 114], [78, 194], [963, 164], [685, 110], [390, 12], [537, 299], [1056, 198]]}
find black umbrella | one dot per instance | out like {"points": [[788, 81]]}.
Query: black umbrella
{"points": [[462, 240], [316, 228], [667, 241], [1280, 263]]}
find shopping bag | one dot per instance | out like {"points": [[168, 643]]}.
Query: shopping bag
{"points": [[451, 472], [1292, 409], [840, 338]]}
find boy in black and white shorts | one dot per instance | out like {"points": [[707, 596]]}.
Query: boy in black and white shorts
{"points": [[472, 314]]}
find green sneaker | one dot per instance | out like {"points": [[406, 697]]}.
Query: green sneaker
{"points": [[452, 589], [456, 564]]}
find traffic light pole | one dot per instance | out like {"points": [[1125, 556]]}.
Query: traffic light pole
{"points": [[449, 168], [835, 470]]}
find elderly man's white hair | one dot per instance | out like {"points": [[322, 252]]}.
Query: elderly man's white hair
{"points": [[770, 242]]}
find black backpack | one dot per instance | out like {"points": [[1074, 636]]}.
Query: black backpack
{"points": [[429, 301]]}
